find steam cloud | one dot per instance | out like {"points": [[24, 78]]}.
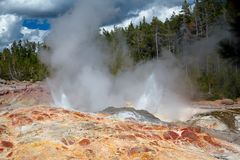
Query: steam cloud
{"points": [[82, 80]]}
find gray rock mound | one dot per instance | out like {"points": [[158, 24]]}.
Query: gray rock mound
{"points": [[223, 124], [131, 114]]}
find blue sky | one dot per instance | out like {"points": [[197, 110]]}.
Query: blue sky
{"points": [[31, 19], [41, 24]]}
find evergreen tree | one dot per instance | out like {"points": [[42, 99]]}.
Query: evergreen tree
{"points": [[21, 62]]}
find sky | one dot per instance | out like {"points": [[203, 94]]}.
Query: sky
{"points": [[32, 19]]}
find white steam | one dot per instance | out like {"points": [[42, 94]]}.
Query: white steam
{"points": [[82, 80], [152, 94]]}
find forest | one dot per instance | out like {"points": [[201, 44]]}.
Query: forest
{"points": [[204, 39], [21, 62]]}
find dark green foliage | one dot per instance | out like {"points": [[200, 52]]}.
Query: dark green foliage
{"points": [[213, 76], [230, 48], [21, 62], [220, 84]]}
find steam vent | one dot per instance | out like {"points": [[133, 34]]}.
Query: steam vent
{"points": [[30, 130]]}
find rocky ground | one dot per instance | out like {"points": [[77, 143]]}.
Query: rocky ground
{"points": [[30, 128], [15, 94]]}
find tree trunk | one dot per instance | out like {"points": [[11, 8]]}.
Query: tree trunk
{"points": [[196, 18], [156, 42], [206, 23], [10, 72]]}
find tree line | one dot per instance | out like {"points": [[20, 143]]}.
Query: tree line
{"points": [[199, 39], [212, 69], [21, 62]]}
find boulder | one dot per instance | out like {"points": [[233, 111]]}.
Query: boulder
{"points": [[2, 81], [238, 100], [209, 122], [237, 122], [131, 114], [227, 102]]}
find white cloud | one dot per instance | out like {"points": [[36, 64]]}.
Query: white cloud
{"points": [[34, 35], [161, 12], [35, 8], [52, 8], [12, 13], [10, 27]]}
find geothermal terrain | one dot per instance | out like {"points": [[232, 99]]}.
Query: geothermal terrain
{"points": [[31, 127]]}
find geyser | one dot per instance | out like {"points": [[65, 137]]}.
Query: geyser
{"points": [[81, 79], [152, 94]]}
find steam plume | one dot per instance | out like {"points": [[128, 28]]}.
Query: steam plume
{"points": [[82, 80]]}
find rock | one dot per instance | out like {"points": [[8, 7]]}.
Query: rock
{"points": [[170, 135], [131, 114], [7, 144], [189, 135], [10, 154], [2, 81], [67, 141], [22, 94], [237, 122], [127, 137], [208, 103], [192, 129], [225, 119], [209, 121], [84, 142], [223, 124], [227, 102], [211, 141], [4, 92], [136, 150], [238, 100]]}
